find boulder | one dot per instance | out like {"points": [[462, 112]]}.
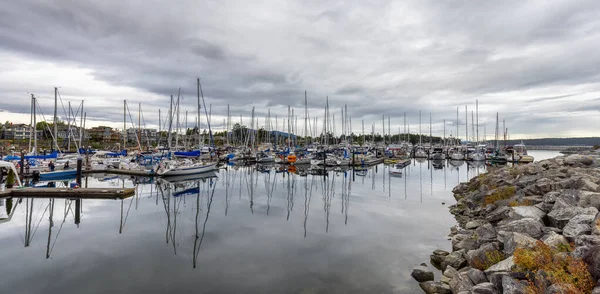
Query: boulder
{"points": [[512, 286], [471, 225], [460, 282], [476, 276], [588, 184], [513, 240], [432, 287], [485, 233], [422, 273], [525, 226], [519, 212], [578, 225], [455, 260], [580, 251], [596, 290], [559, 218], [567, 198], [556, 289], [589, 199], [587, 240], [484, 288], [554, 240], [498, 214], [551, 197], [438, 256], [450, 272], [576, 160], [503, 266], [478, 257], [592, 259]]}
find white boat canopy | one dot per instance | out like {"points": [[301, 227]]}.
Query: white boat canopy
{"points": [[9, 165]]}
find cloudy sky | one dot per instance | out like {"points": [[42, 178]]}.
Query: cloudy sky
{"points": [[534, 62]]}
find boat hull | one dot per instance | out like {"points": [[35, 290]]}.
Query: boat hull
{"points": [[58, 175], [181, 171]]}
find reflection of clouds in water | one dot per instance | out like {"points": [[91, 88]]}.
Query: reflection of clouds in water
{"points": [[375, 236]]}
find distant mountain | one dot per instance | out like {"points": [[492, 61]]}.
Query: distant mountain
{"points": [[586, 141]]}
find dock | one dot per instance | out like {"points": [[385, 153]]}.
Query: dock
{"points": [[116, 171], [78, 193]]}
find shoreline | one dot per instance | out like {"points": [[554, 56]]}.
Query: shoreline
{"points": [[531, 228]]}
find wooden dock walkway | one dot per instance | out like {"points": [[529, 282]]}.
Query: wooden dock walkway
{"points": [[117, 171], [79, 193]]}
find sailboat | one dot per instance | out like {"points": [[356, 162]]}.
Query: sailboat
{"points": [[187, 166]]}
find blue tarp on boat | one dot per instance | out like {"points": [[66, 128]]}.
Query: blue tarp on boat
{"points": [[194, 153]]}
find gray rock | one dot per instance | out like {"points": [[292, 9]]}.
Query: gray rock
{"points": [[555, 289], [431, 287], [513, 240], [592, 259], [551, 197], [519, 212], [455, 260], [474, 224], [578, 225], [589, 199], [438, 256], [576, 160], [588, 184], [554, 240], [422, 273], [580, 251], [485, 234], [560, 217], [479, 256], [476, 276], [498, 214], [525, 226], [596, 290], [587, 240], [445, 280], [512, 286], [466, 244], [450, 272], [567, 198], [484, 288], [545, 207], [461, 282], [503, 266]]}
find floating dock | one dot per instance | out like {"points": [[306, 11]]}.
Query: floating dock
{"points": [[116, 171], [79, 193]]}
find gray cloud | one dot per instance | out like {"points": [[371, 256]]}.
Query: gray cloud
{"points": [[519, 58]]}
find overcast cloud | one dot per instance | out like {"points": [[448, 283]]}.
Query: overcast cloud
{"points": [[534, 62]]}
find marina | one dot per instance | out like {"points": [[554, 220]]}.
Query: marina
{"points": [[261, 214]]}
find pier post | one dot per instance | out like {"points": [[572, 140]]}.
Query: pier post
{"points": [[22, 163], [77, 212], [79, 165]]}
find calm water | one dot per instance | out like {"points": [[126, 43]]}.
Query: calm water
{"points": [[246, 231]]}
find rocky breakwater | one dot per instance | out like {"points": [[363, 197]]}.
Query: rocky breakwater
{"points": [[527, 229]]}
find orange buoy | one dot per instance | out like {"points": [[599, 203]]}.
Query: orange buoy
{"points": [[291, 158]]}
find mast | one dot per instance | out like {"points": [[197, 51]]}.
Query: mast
{"points": [[124, 125], [477, 122], [34, 126], [69, 128], [389, 130], [81, 127], [31, 125], [405, 133], [55, 118], [466, 124], [472, 123], [198, 110], [140, 126], [444, 139], [363, 133], [430, 133], [212, 142], [457, 125], [383, 130], [228, 124], [420, 133], [305, 119]]}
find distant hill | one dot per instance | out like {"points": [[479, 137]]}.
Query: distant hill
{"points": [[586, 141]]}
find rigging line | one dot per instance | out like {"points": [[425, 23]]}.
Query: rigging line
{"points": [[61, 225], [127, 214], [40, 220], [133, 124], [44, 117]]}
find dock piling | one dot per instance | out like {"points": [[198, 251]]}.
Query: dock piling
{"points": [[79, 166]]}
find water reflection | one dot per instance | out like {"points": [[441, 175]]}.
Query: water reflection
{"points": [[317, 221]]}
